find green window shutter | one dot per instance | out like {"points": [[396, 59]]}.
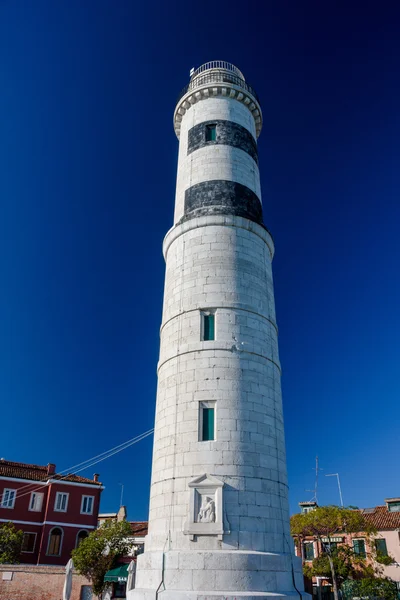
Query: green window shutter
{"points": [[209, 327], [211, 133], [309, 551], [359, 548], [381, 547], [208, 424]]}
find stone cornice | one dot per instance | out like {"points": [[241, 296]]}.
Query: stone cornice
{"points": [[214, 90]]}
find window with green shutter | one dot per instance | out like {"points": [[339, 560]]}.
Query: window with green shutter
{"points": [[208, 327], [359, 548], [309, 551], [207, 421], [208, 424], [329, 546], [381, 547], [211, 133]]}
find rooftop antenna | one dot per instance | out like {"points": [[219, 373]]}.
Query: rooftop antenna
{"points": [[122, 493], [338, 482], [315, 490]]}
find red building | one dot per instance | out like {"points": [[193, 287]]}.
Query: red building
{"points": [[54, 511]]}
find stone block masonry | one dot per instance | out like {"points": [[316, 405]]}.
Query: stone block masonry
{"points": [[219, 513], [219, 197], [227, 133]]}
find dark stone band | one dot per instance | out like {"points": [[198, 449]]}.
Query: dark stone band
{"points": [[228, 133], [220, 197]]}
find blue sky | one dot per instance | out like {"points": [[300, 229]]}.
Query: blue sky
{"points": [[87, 176]]}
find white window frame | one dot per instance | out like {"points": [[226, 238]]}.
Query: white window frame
{"points": [[61, 542], [309, 542], [34, 544], [207, 404], [38, 500], [5, 504], [58, 494], [359, 539], [82, 503]]}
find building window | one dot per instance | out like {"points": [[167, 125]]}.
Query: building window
{"points": [[393, 506], [208, 326], [55, 542], [359, 548], [8, 498], [329, 546], [86, 592], [82, 535], [36, 502], [119, 590], [211, 133], [308, 550], [207, 422], [381, 548], [87, 505], [61, 502], [28, 542]]}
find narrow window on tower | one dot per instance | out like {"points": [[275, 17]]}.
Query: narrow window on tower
{"points": [[207, 421], [207, 326], [211, 133]]}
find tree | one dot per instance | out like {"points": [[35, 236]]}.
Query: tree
{"points": [[347, 565], [325, 522], [99, 552], [10, 543], [342, 562], [371, 587]]}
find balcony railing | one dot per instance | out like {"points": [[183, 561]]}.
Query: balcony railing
{"points": [[217, 76], [218, 64]]}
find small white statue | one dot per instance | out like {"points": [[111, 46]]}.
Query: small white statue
{"points": [[207, 511]]}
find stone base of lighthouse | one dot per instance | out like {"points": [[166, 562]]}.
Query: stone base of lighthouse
{"points": [[218, 575]]}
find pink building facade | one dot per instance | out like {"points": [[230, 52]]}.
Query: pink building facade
{"points": [[385, 519]]}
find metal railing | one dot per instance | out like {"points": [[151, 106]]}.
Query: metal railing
{"points": [[218, 64], [217, 77]]}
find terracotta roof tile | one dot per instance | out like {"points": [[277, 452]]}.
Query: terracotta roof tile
{"points": [[381, 518], [139, 528], [37, 473]]}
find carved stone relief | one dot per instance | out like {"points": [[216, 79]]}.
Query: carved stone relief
{"points": [[206, 507]]}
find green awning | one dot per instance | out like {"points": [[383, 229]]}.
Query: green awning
{"points": [[120, 573]]}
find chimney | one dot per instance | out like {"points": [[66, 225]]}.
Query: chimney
{"points": [[122, 514], [96, 477], [51, 469]]}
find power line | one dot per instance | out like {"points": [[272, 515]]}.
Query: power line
{"points": [[85, 464]]}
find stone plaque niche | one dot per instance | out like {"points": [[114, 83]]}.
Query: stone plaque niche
{"points": [[206, 507]]}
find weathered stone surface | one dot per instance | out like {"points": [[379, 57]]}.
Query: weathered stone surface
{"points": [[219, 197], [228, 133], [218, 261]]}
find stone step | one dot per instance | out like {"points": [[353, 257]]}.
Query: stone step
{"points": [[204, 595]]}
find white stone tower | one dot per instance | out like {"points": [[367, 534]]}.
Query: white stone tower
{"points": [[219, 515]]}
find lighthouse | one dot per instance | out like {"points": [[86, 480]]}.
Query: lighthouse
{"points": [[219, 514]]}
